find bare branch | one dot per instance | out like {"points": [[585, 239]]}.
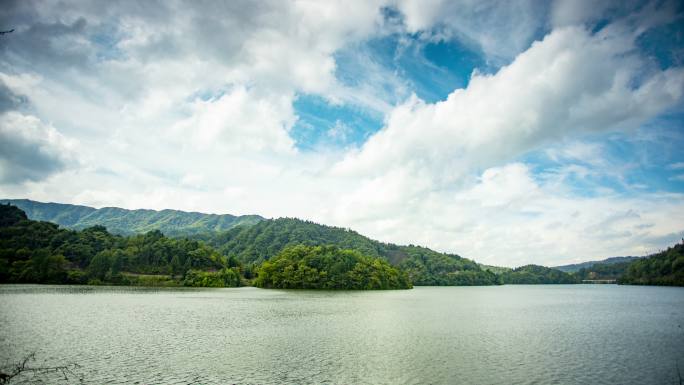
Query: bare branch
{"points": [[23, 367]]}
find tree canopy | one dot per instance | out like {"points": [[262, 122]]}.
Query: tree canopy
{"points": [[257, 243], [664, 268], [283, 252], [535, 274], [41, 252], [328, 267]]}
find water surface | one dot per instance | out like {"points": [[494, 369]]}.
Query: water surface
{"points": [[574, 334]]}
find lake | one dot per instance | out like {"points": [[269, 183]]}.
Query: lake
{"points": [[564, 334]]}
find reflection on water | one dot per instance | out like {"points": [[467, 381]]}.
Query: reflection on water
{"points": [[582, 334]]}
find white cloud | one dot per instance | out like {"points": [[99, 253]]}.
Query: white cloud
{"points": [[501, 29], [238, 121], [190, 108], [418, 169], [566, 84], [31, 150], [506, 217], [591, 153], [540, 222]]}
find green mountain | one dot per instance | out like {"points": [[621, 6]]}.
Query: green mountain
{"points": [[253, 239], [586, 265], [604, 271], [535, 274], [665, 268], [41, 252], [262, 241], [128, 222], [36, 251]]}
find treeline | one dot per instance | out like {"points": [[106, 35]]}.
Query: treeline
{"points": [[537, 275], [665, 268], [41, 252], [603, 271], [328, 267], [429, 268], [252, 245], [120, 221], [284, 253]]}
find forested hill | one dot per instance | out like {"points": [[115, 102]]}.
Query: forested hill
{"points": [[262, 241], [41, 252], [128, 222], [586, 265], [664, 268], [535, 275]]}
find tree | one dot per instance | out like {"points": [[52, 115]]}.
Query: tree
{"points": [[100, 265]]}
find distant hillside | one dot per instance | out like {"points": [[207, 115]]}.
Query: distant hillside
{"points": [[264, 240], [495, 269], [535, 274], [42, 252], [665, 268], [604, 271], [585, 265], [128, 222]]}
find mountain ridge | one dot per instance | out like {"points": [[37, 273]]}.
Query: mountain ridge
{"points": [[254, 241], [252, 245], [195, 224], [128, 222], [575, 267]]}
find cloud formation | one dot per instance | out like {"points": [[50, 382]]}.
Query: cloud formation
{"points": [[191, 105], [568, 83], [29, 149]]}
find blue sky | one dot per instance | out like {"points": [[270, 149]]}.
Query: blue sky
{"points": [[640, 159], [508, 132], [430, 69]]}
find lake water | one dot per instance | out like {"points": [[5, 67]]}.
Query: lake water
{"points": [[574, 334]]}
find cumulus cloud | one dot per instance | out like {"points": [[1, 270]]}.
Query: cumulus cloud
{"points": [[568, 83], [420, 166], [501, 29], [8, 99], [189, 105], [239, 121], [513, 218], [30, 150]]}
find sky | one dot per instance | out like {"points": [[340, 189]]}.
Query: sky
{"points": [[509, 132]]}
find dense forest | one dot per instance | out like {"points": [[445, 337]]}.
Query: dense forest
{"points": [[535, 274], [253, 252], [328, 267], [573, 268], [255, 244], [664, 268], [603, 271], [120, 221], [41, 252]]}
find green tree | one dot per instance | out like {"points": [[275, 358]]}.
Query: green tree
{"points": [[328, 267]]}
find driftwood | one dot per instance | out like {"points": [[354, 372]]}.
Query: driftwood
{"points": [[7, 374]]}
